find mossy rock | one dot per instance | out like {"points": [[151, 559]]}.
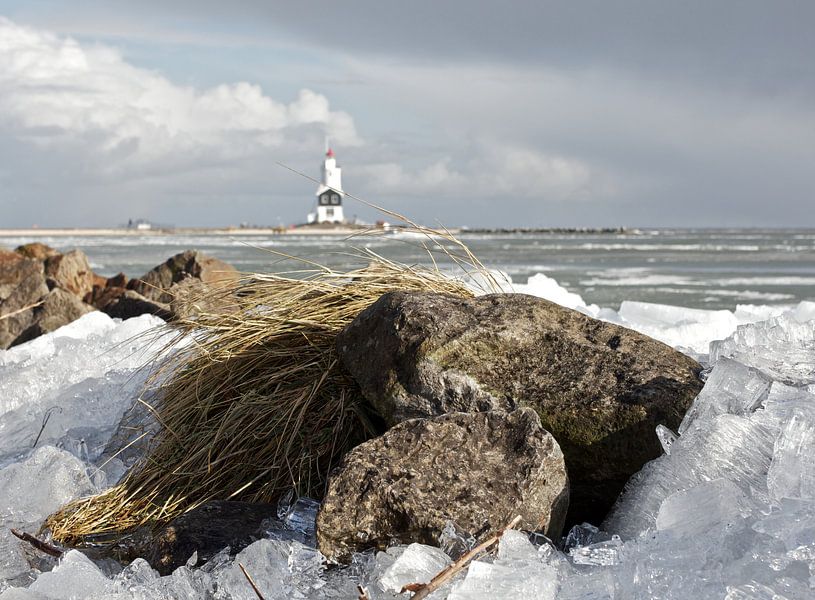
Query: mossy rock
{"points": [[599, 388]]}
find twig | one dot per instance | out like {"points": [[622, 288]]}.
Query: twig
{"points": [[38, 544], [45, 422], [423, 590], [21, 310], [363, 593], [251, 582]]}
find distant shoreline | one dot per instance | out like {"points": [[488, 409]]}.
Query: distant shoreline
{"points": [[287, 231]]}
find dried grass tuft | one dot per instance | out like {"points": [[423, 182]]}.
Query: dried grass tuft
{"points": [[258, 403]]}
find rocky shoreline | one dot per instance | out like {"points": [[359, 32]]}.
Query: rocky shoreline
{"points": [[42, 289]]}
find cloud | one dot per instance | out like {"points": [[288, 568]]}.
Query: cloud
{"points": [[493, 171], [57, 93]]}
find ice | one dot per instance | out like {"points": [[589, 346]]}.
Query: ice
{"points": [[730, 388], [698, 510], [783, 347], [584, 534], [542, 286], [485, 581], [666, 438], [75, 577], [417, 564], [792, 472], [601, 553], [455, 542], [71, 387], [678, 326], [299, 517], [29, 492], [730, 447]]}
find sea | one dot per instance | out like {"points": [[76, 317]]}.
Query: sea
{"points": [[694, 268]]}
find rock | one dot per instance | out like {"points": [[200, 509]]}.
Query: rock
{"points": [[58, 308], [478, 470], [36, 250], [130, 304], [22, 285], [156, 284], [207, 530], [71, 272], [600, 389], [106, 290]]}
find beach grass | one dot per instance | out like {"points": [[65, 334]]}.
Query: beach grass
{"points": [[257, 403]]}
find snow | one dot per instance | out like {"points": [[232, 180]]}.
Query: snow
{"points": [[728, 511]]}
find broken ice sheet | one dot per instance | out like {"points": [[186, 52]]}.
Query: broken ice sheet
{"points": [[584, 534], [703, 508], [792, 472], [485, 581], [730, 447], [783, 347], [602, 553], [454, 541], [417, 564], [731, 388], [666, 438], [76, 576]]}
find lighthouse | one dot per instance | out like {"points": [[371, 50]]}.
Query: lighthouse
{"points": [[329, 193]]}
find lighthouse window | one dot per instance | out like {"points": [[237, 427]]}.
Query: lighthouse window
{"points": [[335, 199]]}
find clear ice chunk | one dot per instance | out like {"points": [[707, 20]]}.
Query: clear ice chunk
{"points": [[602, 553], [454, 541], [76, 576], [792, 472], [731, 388], [783, 347], [738, 449], [700, 509], [584, 534], [485, 581], [417, 564], [666, 438]]}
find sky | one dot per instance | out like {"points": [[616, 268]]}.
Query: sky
{"points": [[638, 113]]}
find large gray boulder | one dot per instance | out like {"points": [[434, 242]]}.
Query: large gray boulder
{"points": [[22, 285], [477, 470], [600, 389], [157, 283]]}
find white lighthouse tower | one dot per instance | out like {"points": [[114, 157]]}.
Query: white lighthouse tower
{"points": [[329, 193]]}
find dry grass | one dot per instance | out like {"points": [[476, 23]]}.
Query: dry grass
{"points": [[258, 403]]}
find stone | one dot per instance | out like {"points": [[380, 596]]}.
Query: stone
{"points": [[132, 304], [156, 284], [599, 388], [36, 250], [476, 470], [22, 285], [71, 272], [207, 530], [58, 308]]}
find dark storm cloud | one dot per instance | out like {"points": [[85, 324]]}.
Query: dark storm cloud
{"points": [[758, 44]]}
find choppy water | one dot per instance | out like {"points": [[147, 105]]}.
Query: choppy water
{"points": [[694, 268]]}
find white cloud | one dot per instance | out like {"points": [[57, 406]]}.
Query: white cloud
{"points": [[495, 170], [58, 93]]}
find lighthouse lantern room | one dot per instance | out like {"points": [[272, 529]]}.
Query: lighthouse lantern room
{"points": [[329, 193]]}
